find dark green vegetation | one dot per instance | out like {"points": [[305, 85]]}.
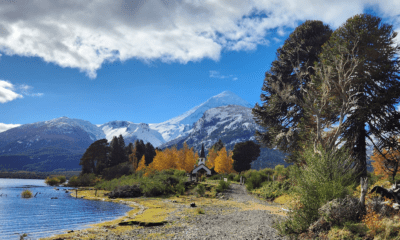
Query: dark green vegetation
{"points": [[319, 77], [114, 160], [324, 96], [243, 154]]}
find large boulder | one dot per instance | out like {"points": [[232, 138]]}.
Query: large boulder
{"points": [[126, 192], [337, 212]]}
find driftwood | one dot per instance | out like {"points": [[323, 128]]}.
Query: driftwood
{"points": [[392, 193]]}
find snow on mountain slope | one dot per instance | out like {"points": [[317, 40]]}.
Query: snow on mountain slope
{"points": [[180, 126], [132, 131], [231, 124]]}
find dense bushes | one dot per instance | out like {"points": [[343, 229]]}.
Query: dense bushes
{"points": [[55, 181], [222, 186], [159, 183], [84, 180], [117, 171], [325, 177]]}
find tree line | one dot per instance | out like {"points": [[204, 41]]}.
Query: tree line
{"points": [[116, 159]]}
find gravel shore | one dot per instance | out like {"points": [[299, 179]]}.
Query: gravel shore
{"points": [[235, 215]]}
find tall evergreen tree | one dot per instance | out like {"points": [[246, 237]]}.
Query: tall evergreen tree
{"points": [[217, 146], [243, 154], [121, 142], [286, 123], [117, 152], [150, 153], [94, 160], [378, 85]]}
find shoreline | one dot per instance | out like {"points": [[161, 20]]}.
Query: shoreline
{"points": [[170, 212]]}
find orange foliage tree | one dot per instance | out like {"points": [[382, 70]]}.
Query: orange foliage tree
{"points": [[224, 162], [211, 156], [142, 164], [182, 159], [386, 162]]}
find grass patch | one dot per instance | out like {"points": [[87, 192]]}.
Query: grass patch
{"points": [[26, 194]]}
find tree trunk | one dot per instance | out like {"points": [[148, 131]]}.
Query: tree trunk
{"points": [[364, 188], [360, 150]]}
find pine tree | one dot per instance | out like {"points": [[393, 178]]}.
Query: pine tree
{"points": [[94, 160], [243, 154], [117, 153], [218, 145], [378, 85], [150, 152], [285, 122]]}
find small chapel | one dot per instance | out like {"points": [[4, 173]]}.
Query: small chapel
{"points": [[201, 168]]}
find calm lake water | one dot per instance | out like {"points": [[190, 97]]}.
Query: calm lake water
{"points": [[42, 216]]}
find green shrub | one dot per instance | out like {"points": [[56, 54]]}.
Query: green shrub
{"points": [[231, 176], [222, 186], [62, 179], [324, 177], [26, 194], [254, 181], [201, 189], [86, 180], [237, 178], [163, 183], [73, 182], [271, 190], [54, 181], [117, 171], [200, 211]]}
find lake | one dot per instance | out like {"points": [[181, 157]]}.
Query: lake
{"points": [[42, 216]]}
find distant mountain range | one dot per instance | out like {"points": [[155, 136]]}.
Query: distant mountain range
{"points": [[59, 144]]}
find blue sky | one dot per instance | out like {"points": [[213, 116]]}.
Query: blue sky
{"points": [[145, 61]]}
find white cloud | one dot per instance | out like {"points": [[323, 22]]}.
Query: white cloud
{"points": [[26, 91], [4, 127], [85, 34], [216, 74], [7, 92]]}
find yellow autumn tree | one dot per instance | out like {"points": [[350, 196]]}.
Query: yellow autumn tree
{"points": [[190, 159], [211, 156], [158, 160], [180, 158], [142, 164], [387, 164], [150, 170], [224, 161]]}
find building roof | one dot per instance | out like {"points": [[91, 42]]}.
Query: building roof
{"points": [[201, 166], [202, 155]]}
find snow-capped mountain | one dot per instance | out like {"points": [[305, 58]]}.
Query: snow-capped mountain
{"points": [[179, 126], [131, 132], [60, 141], [232, 124]]}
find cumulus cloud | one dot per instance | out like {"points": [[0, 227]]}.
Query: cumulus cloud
{"points": [[85, 34], [4, 127], [7, 92]]}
